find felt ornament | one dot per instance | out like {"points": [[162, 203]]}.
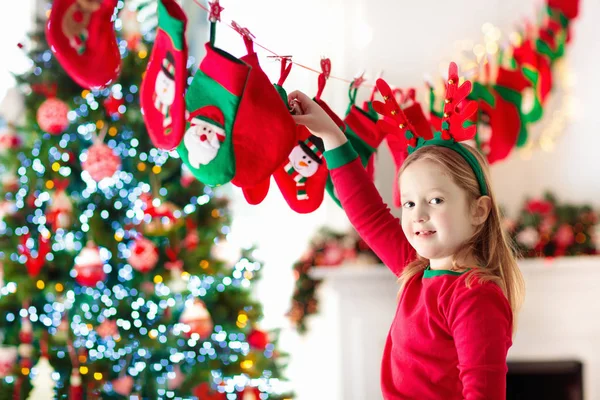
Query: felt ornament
{"points": [[197, 319], [89, 266], [82, 37], [162, 91], [59, 213]]}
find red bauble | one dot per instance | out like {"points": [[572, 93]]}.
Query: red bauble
{"points": [[198, 319], [144, 255], [101, 162], [258, 339], [89, 266], [249, 393], [204, 392], [112, 105], [52, 116]]}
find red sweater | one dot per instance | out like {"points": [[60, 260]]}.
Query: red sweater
{"points": [[446, 341]]}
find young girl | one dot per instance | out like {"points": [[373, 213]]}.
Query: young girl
{"points": [[459, 292]]}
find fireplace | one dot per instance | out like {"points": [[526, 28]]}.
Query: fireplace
{"points": [[548, 380]]}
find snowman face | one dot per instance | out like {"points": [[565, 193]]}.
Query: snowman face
{"points": [[165, 88], [202, 142], [303, 163]]}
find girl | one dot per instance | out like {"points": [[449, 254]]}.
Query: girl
{"points": [[459, 292]]}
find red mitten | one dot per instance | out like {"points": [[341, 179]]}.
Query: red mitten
{"points": [[302, 178], [82, 36], [264, 132], [162, 90]]}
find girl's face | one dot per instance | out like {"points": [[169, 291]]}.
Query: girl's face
{"points": [[436, 216]]}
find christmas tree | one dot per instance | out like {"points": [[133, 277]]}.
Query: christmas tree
{"points": [[117, 275]]}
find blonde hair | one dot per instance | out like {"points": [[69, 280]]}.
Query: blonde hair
{"points": [[490, 245]]}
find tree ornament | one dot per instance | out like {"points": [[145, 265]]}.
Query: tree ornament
{"points": [[89, 266], [177, 378], [163, 218], [59, 213], [112, 105], [101, 161], [258, 339], [52, 116], [8, 360], [108, 329], [42, 381], [205, 392], [123, 385], [9, 140], [198, 319], [144, 255]]}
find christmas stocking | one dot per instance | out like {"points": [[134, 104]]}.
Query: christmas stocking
{"points": [[498, 123], [81, 35], [212, 102], [264, 132], [509, 85], [257, 193], [552, 38], [362, 133], [536, 69], [302, 177], [162, 90]]}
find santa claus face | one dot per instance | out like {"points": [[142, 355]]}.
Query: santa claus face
{"points": [[165, 88], [303, 163], [202, 141]]}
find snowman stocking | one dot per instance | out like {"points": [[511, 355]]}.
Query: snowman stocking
{"points": [[212, 102], [162, 90], [264, 131], [81, 35], [302, 177], [362, 133]]}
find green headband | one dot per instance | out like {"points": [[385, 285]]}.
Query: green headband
{"points": [[457, 147]]}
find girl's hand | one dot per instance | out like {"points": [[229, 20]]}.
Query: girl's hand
{"points": [[310, 114]]}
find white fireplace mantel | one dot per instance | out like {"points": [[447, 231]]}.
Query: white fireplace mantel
{"points": [[559, 320]]}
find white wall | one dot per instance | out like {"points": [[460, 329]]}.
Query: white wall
{"points": [[405, 39]]}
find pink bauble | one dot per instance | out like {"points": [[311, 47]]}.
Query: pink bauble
{"points": [[52, 116], [123, 385], [101, 162], [144, 255], [198, 319], [89, 266]]}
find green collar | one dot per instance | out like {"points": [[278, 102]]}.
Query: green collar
{"points": [[431, 273]]}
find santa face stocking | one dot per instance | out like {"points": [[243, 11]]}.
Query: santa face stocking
{"points": [[212, 103], [82, 36], [264, 131], [163, 87], [302, 177]]}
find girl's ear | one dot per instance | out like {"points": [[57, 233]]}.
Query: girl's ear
{"points": [[481, 210]]}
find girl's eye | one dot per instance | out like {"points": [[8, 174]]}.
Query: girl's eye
{"points": [[436, 200], [408, 204]]}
